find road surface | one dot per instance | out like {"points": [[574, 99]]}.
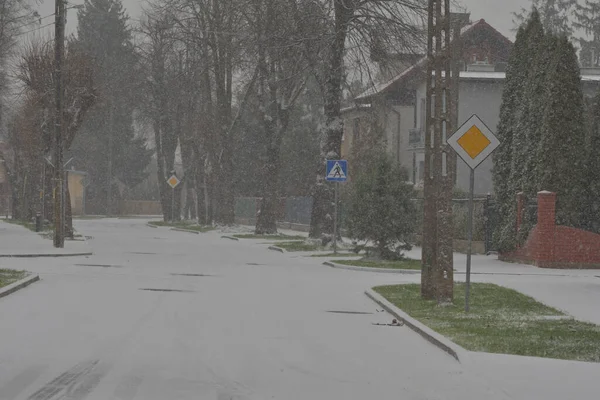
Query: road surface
{"points": [[163, 315]]}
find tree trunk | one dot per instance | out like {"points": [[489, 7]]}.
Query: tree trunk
{"points": [[321, 223], [266, 222], [69, 232]]}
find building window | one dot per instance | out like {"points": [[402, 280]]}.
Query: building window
{"points": [[356, 130], [421, 170]]}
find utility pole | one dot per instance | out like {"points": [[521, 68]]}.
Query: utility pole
{"points": [[437, 277], [59, 48]]}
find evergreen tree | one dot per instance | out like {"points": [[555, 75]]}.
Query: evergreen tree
{"points": [[108, 148], [380, 207], [502, 157], [587, 18], [554, 14], [560, 155], [591, 210], [509, 158], [527, 115]]}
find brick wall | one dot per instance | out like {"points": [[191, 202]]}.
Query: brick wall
{"points": [[554, 246]]}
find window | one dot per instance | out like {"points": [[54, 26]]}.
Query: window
{"points": [[356, 130], [421, 170]]}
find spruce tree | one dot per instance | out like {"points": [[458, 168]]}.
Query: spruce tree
{"points": [[107, 147], [555, 15], [561, 150], [587, 18]]}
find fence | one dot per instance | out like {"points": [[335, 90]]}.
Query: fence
{"points": [[295, 210]]}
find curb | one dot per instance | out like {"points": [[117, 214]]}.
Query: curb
{"points": [[429, 334], [185, 230], [367, 269], [275, 248], [45, 255], [230, 238], [13, 287]]}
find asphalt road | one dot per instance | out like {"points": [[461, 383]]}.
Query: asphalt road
{"points": [[163, 315]]}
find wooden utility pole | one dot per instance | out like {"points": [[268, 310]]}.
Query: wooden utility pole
{"points": [[437, 278], [59, 48]]}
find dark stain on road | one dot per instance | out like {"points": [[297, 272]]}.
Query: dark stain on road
{"points": [[166, 290], [75, 383], [349, 312], [196, 275], [142, 253], [99, 265], [254, 264]]}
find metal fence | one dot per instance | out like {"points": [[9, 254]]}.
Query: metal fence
{"points": [[294, 210]]}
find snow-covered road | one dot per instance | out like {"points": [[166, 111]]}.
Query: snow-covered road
{"points": [[258, 325]]}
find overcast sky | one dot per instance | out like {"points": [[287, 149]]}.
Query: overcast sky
{"points": [[496, 12]]}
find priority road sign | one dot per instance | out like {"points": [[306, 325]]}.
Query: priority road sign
{"points": [[337, 171], [473, 142], [173, 181]]}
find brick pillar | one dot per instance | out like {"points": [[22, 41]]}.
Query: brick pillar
{"points": [[546, 226], [520, 209]]}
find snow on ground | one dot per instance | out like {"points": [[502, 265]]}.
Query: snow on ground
{"points": [[258, 327]]}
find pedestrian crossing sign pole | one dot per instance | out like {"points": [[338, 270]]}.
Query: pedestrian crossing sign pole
{"points": [[337, 171]]}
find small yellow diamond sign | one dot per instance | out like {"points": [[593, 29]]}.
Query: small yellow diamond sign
{"points": [[173, 181], [473, 142]]}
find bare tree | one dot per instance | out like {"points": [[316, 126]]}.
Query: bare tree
{"points": [[31, 133], [360, 30], [282, 72]]}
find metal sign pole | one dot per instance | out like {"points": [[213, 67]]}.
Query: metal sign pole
{"points": [[335, 217], [470, 237], [173, 205]]}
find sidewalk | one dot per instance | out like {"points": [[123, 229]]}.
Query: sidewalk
{"points": [[17, 241]]}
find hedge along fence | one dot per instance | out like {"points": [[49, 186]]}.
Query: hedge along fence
{"points": [[295, 210]]}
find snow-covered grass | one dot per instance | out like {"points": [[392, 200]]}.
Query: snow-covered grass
{"points": [[279, 236], [299, 246], [501, 320], [183, 225], [8, 276], [404, 264], [336, 255]]}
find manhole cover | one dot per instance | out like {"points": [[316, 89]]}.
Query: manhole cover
{"points": [[199, 275], [349, 312], [166, 290], [99, 265]]}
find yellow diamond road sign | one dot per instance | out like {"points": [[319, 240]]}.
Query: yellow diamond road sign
{"points": [[173, 181], [473, 142]]}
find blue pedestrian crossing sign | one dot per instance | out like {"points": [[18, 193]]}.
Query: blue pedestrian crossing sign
{"points": [[337, 171]]}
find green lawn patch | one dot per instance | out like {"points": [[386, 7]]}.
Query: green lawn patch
{"points": [[404, 264], [279, 236], [25, 224], [501, 321], [8, 276], [183, 225], [299, 246], [336, 255]]}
